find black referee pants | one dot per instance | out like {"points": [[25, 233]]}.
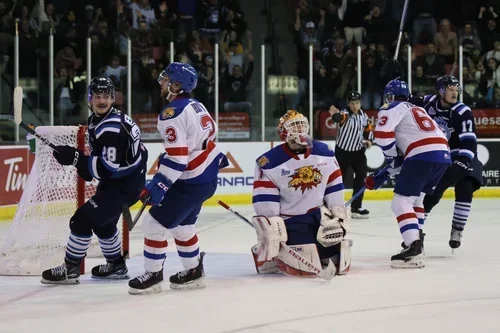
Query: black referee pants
{"points": [[357, 161]]}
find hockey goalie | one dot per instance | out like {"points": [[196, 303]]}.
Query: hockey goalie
{"points": [[298, 198]]}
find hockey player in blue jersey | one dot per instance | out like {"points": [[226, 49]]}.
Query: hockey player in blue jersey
{"points": [[186, 177], [457, 122], [118, 160]]}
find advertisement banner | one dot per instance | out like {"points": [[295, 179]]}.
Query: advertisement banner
{"points": [[487, 123], [234, 125], [147, 122], [15, 165]]}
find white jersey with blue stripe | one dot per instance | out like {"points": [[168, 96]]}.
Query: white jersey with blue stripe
{"points": [[115, 143], [188, 133], [288, 184]]}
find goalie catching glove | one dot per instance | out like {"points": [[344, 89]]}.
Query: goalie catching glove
{"points": [[334, 225], [271, 231]]}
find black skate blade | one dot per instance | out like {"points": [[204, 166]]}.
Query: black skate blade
{"points": [[67, 281], [114, 276], [154, 289], [191, 285]]}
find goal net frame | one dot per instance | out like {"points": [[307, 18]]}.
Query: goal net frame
{"points": [[34, 209]]}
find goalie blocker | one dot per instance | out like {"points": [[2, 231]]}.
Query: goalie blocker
{"points": [[318, 236]]}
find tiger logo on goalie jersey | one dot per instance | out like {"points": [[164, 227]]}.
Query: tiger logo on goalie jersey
{"points": [[305, 178]]}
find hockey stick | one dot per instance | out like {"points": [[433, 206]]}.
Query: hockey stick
{"points": [[127, 216], [18, 117], [328, 273], [391, 69], [361, 190]]}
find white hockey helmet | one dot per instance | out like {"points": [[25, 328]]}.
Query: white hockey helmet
{"points": [[293, 127]]}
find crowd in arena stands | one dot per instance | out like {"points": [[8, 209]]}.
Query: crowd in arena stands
{"points": [[193, 25], [336, 27]]}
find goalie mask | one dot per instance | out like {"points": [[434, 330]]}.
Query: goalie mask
{"points": [[293, 128]]}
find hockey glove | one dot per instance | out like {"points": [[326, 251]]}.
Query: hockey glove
{"points": [[460, 167], [67, 155], [155, 189], [374, 182], [395, 164], [85, 174]]}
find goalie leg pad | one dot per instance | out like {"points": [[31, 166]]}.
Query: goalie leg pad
{"points": [[344, 264], [292, 266], [271, 231], [155, 244], [263, 267]]}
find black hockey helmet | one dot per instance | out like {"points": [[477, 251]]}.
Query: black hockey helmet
{"points": [[101, 85], [446, 81], [353, 96]]}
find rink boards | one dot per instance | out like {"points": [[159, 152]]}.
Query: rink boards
{"points": [[236, 180]]}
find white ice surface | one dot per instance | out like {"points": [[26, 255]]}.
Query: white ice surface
{"points": [[453, 293]]}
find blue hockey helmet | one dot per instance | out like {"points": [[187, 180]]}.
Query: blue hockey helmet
{"points": [[184, 74], [101, 85], [446, 81], [396, 88]]}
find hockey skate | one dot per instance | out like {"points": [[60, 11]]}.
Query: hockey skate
{"points": [[147, 283], [115, 270], [410, 257], [67, 273], [455, 239], [189, 279], [421, 237]]}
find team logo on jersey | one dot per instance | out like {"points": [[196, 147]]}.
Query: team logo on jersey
{"points": [[262, 161], [167, 113], [305, 178], [443, 126], [431, 111]]}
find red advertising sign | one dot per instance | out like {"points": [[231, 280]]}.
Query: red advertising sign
{"points": [[487, 123], [148, 122], [15, 165], [234, 125]]}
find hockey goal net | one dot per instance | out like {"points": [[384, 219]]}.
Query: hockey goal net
{"points": [[37, 237]]}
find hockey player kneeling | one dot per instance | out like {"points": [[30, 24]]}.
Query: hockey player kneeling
{"points": [[298, 197]]}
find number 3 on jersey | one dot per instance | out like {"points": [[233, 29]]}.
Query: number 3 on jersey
{"points": [[207, 123]]}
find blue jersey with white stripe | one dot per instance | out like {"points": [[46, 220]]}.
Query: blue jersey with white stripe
{"points": [[115, 143], [456, 122]]}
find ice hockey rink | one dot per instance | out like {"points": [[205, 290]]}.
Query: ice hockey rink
{"points": [[453, 293]]}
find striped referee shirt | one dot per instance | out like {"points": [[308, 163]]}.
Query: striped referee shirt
{"points": [[353, 129]]}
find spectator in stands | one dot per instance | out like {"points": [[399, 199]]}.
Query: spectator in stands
{"points": [[432, 63], [65, 96], [210, 22], [488, 29], [467, 33], [353, 21], [186, 10], [236, 84], [371, 83], [495, 53], [419, 82], [323, 87], [495, 101], [65, 58], [115, 71], [377, 26], [142, 12], [446, 43], [333, 24], [424, 25]]}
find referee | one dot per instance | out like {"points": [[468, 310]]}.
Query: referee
{"points": [[353, 138]]}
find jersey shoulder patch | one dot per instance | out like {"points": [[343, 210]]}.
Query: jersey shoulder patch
{"points": [[167, 113], [273, 158]]}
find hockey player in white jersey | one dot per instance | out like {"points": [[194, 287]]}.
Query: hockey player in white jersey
{"points": [[186, 177], [417, 149], [298, 198]]}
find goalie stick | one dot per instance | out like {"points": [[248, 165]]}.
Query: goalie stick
{"points": [[328, 273], [18, 117]]}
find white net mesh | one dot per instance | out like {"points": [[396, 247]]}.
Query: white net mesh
{"points": [[37, 238]]}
